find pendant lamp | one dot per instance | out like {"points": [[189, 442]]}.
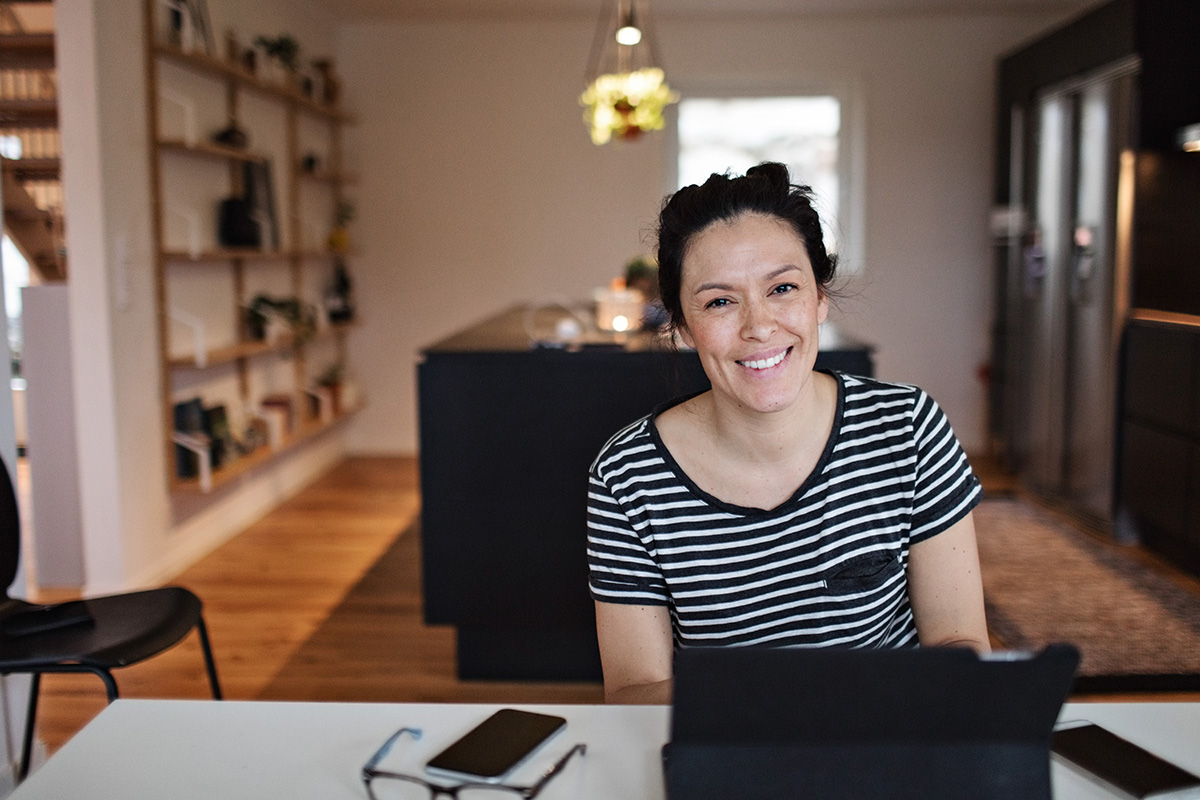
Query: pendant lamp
{"points": [[627, 90]]}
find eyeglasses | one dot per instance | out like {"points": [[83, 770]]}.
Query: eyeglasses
{"points": [[385, 785]]}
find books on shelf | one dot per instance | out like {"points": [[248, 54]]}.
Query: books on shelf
{"points": [[190, 437]]}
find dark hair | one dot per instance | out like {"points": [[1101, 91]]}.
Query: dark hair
{"points": [[766, 190]]}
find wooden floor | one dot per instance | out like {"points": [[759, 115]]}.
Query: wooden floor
{"points": [[267, 590]]}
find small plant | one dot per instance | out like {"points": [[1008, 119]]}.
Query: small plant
{"points": [[300, 317], [339, 237], [332, 376], [283, 48]]}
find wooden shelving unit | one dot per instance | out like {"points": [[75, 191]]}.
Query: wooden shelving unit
{"points": [[236, 87]]}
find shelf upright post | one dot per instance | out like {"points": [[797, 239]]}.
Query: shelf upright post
{"points": [[297, 248], [156, 236], [338, 172], [237, 186]]}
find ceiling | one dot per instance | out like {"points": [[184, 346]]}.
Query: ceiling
{"points": [[361, 10]]}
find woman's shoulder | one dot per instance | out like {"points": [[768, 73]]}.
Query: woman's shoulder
{"points": [[625, 446], [637, 440], [871, 403], [860, 390]]}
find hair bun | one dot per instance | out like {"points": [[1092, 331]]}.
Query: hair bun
{"points": [[774, 173]]}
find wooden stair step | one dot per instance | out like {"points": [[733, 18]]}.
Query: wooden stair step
{"points": [[34, 169], [27, 51], [28, 113]]}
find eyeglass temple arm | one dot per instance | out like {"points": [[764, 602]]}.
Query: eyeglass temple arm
{"points": [[386, 747], [580, 748]]}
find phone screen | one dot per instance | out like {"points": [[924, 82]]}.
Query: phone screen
{"points": [[1119, 762], [497, 745]]}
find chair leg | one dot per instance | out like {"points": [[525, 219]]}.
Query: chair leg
{"points": [[209, 663], [110, 683], [30, 723]]}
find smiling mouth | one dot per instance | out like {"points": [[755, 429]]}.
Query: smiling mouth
{"points": [[766, 363]]}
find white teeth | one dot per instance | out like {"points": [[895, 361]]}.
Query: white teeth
{"points": [[764, 363]]}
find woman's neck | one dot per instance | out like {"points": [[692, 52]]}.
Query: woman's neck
{"points": [[751, 460], [779, 436]]}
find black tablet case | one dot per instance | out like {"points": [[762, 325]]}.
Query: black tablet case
{"points": [[826, 724]]}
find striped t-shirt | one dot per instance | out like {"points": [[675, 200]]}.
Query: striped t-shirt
{"points": [[825, 568]]}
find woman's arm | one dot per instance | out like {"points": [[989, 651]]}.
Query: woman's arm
{"points": [[945, 588], [636, 652]]}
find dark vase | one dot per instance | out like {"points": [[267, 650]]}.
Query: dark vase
{"points": [[339, 296]]}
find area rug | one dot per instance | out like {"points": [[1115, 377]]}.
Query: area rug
{"points": [[1137, 628], [1044, 581]]}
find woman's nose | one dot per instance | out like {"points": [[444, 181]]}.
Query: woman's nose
{"points": [[758, 320]]}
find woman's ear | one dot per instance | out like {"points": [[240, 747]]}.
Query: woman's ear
{"points": [[686, 335]]}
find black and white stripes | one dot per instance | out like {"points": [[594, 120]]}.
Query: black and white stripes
{"points": [[825, 568]]}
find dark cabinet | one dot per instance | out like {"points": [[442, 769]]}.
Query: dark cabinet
{"points": [[1160, 450]]}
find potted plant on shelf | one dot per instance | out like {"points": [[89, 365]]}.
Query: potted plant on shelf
{"points": [[282, 52], [286, 313]]}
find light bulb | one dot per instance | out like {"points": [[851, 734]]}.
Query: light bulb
{"points": [[629, 35], [620, 323]]}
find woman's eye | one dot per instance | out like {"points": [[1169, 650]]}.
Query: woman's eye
{"points": [[720, 302], [784, 288]]}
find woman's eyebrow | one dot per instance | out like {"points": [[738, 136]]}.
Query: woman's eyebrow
{"points": [[724, 287]]}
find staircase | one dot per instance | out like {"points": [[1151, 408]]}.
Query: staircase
{"points": [[30, 167]]}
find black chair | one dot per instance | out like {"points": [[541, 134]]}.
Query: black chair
{"points": [[95, 635]]}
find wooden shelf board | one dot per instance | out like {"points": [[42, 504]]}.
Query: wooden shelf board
{"points": [[305, 431], [320, 254], [229, 254], [321, 176], [234, 352], [210, 149], [341, 327], [202, 62]]}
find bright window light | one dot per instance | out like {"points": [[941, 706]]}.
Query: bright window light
{"points": [[10, 146], [734, 134]]}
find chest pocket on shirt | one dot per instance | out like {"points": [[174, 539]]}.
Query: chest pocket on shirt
{"points": [[862, 574]]}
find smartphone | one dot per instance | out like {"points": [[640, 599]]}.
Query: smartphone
{"points": [[496, 746], [1121, 764]]}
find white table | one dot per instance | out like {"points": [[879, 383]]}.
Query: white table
{"points": [[205, 749]]}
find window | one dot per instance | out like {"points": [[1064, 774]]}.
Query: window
{"points": [[716, 134]]}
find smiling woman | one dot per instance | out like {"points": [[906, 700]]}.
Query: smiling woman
{"points": [[785, 506]]}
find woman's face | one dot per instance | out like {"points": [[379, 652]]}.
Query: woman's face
{"points": [[751, 307]]}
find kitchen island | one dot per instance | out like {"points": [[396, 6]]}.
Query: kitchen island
{"points": [[512, 412]]}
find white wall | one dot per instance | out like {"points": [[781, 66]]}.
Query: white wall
{"points": [[481, 187], [134, 534]]}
